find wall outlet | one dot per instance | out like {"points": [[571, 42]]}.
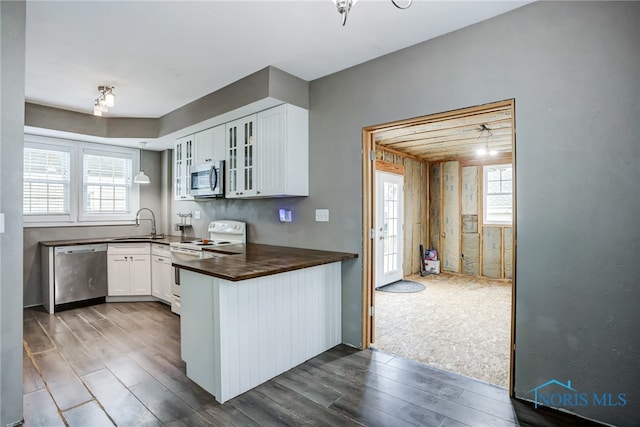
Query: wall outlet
{"points": [[1, 223], [322, 215], [196, 214]]}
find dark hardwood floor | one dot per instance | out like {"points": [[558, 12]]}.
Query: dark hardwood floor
{"points": [[119, 363]]}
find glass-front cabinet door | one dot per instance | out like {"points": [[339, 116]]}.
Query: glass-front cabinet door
{"points": [[241, 141], [182, 162]]}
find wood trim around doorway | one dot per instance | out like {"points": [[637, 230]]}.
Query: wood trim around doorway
{"points": [[368, 203], [383, 166]]}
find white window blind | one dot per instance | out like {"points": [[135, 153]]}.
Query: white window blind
{"points": [[46, 185], [498, 194], [69, 182], [107, 182]]}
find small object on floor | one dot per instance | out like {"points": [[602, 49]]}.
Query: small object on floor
{"points": [[402, 286], [432, 267], [423, 270], [429, 262]]}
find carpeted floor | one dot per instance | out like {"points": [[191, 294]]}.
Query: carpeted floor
{"points": [[459, 324]]}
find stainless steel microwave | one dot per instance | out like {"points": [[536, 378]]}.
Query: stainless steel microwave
{"points": [[207, 179]]}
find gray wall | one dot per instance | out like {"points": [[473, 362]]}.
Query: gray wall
{"points": [[41, 116], [12, 39], [150, 197], [268, 83], [573, 69]]}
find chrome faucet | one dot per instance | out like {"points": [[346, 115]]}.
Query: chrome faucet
{"points": [[153, 221]]}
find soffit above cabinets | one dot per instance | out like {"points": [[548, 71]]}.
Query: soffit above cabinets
{"points": [[454, 135]]}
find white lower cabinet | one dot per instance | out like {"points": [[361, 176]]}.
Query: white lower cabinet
{"points": [[161, 272], [129, 269]]}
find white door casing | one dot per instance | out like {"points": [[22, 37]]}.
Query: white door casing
{"points": [[389, 228]]}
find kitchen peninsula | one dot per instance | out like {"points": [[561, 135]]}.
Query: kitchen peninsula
{"points": [[257, 311]]}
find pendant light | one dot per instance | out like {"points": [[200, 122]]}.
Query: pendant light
{"points": [[141, 178], [484, 150]]}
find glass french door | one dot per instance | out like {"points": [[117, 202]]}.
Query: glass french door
{"points": [[389, 239]]}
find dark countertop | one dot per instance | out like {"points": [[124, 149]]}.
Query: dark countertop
{"points": [[129, 239], [255, 260]]}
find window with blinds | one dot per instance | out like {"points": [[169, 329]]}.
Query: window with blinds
{"points": [[107, 182], [46, 184], [71, 182]]}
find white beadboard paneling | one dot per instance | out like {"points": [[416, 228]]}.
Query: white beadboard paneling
{"points": [[258, 328], [298, 311], [197, 331]]}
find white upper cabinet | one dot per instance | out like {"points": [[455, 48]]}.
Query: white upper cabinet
{"points": [[282, 152], [183, 159], [266, 154], [240, 136], [210, 145]]}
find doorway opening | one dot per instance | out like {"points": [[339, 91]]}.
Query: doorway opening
{"points": [[459, 197]]}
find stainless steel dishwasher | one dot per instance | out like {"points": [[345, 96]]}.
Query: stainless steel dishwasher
{"points": [[80, 275]]}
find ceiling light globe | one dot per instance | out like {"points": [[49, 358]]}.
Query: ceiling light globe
{"points": [[110, 99], [481, 152]]}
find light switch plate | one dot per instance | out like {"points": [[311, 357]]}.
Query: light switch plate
{"points": [[196, 214], [322, 215], [1, 223]]}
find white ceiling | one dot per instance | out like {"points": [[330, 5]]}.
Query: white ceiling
{"points": [[163, 55]]}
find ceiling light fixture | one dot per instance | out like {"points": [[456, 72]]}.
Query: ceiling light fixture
{"points": [[344, 7], [104, 101], [141, 178], [483, 151]]}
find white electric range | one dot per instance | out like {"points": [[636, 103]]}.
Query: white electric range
{"points": [[221, 233]]}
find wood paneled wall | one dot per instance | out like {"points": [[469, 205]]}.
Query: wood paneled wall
{"points": [[416, 213]]}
